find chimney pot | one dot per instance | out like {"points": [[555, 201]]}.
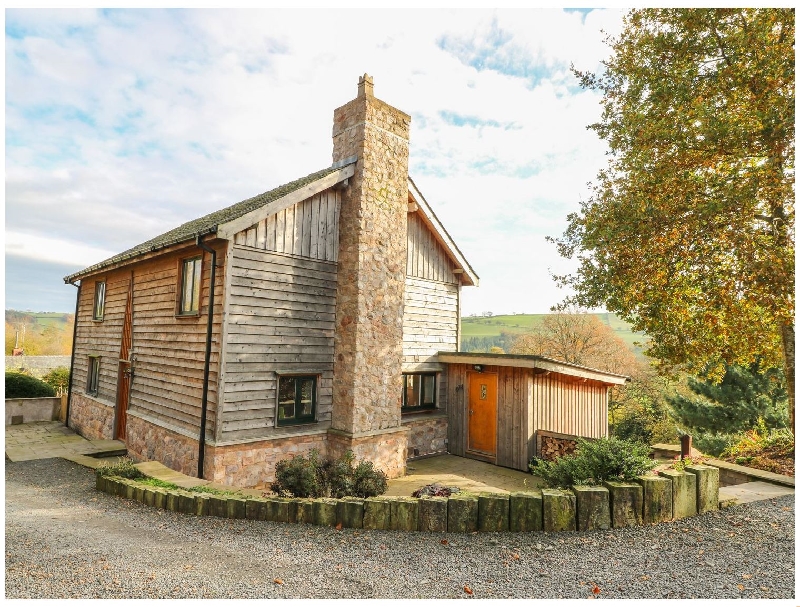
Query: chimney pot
{"points": [[365, 86]]}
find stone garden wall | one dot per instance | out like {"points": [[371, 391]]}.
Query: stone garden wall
{"points": [[651, 499]]}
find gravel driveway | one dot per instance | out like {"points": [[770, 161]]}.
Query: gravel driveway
{"points": [[66, 540]]}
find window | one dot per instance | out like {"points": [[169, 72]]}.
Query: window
{"points": [[99, 300], [189, 302], [94, 375], [297, 399], [419, 391]]}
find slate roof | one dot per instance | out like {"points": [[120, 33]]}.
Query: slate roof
{"points": [[205, 225]]}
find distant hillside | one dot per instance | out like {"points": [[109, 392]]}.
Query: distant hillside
{"points": [[479, 333], [40, 333]]}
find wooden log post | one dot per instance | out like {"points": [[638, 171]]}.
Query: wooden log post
{"points": [[433, 514], [627, 503], [558, 510], [592, 508], [462, 514], [525, 511]]}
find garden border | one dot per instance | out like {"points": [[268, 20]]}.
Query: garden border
{"points": [[670, 495]]}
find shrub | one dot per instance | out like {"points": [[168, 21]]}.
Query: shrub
{"points": [[123, 468], [311, 476], [595, 461], [25, 386], [58, 378], [714, 444]]}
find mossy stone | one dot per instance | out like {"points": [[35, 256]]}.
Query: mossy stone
{"points": [[684, 492], [558, 510], [304, 511], [592, 508], [404, 513], [277, 510], [493, 511], [351, 512], [433, 514], [325, 512], [236, 507], [627, 503], [657, 499], [462, 514], [525, 511], [377, 513], [707, 487]]}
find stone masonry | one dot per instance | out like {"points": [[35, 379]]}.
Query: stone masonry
{"points": [[90, 417], [367, 385]]}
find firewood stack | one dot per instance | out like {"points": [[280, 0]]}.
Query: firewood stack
{"points": [[553, 448]]}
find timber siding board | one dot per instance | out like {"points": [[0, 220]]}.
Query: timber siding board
{"points": [[170, 350], [281, 318], [307, 229], [427, 258], [430, 318], [528, 402]]}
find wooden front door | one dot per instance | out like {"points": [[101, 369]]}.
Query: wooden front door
{"points": [[125, 370], [482, 413]]}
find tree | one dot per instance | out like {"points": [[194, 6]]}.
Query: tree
{"points": [[58, 378], [578, 338], [743, 397], [689, 232]]}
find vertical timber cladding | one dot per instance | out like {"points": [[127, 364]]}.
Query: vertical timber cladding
{"points": [[280, 316], [169, 350], [527, 402], [99, 338], [570, 405]]}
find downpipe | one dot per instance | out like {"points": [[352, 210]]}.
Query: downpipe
{"points": [[207, 366]]}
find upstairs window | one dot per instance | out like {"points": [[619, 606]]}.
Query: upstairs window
{"points": [[99, 300], [93, 379], [297, 399], [419, 391], [189, 303]]}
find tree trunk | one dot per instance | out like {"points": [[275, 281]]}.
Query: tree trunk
{"points": [[787, 335]]}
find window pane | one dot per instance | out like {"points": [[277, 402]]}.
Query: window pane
{"points": [[428, 389], [196, 276], [99, 299], [186, 303], [412, 390], [306, 398]]}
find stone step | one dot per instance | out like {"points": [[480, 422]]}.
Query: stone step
{"points": [[753, 492]]}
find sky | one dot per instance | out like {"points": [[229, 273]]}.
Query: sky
{"points": [[122, 124]]}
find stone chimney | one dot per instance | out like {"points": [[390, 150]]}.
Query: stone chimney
{"points": [[368, 344]]}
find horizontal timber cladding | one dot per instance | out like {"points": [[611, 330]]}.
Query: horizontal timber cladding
{"points": [[169, 350], [527, 402], [427, 258], [280, 318], [101, 338], [430, 319], [309, 228]]}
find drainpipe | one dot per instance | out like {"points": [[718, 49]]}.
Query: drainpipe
{"points": [[72, 358], [204, 404]]}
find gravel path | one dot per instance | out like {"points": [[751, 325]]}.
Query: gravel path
{"points": [[66, 540]]}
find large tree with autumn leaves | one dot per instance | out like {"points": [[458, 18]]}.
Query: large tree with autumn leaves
{"points": [[689, 231]]}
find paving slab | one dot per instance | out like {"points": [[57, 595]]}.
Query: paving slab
{"points": [[753, 492]]}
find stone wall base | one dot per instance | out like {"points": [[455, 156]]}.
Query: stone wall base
{"points": [[426, 436], [246, 465], [387, 450], [91, 418]]}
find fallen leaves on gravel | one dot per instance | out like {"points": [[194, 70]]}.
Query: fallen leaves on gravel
{"points": [[747, 576], [595, 589], [444, 542], [278, 580], [468, 590], [740, 587]]}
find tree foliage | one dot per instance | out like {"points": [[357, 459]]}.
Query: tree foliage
{"points": [[19, 385], [743, 397], [689, 232], [578, 338]]}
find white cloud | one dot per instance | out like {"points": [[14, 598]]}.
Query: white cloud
{"points": [[122, 125], [53, 249]]}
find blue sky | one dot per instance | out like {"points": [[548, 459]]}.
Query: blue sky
{"points": [[122, 124]]}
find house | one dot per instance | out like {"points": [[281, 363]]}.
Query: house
{"points": [[319, 314]]}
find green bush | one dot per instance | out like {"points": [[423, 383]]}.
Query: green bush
{"points": [[123, 468], [714, 444], [19, 385], [312, 476], [58, 378], [595, 461]]}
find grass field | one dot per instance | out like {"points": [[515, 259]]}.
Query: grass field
{"points": [[493, 326]]}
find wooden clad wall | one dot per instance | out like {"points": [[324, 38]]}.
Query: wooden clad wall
{"points": [[170, 350], [570, 405], [281, 314], [308, 229], [426, 257], [527, 402], [101, 338], [430, 319]]}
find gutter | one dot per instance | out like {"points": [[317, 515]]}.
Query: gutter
{"points": [[72, 357], [206, 367]]}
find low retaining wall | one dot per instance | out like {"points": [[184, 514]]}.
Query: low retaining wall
{"points": [[26, 410], [650, 499], [38, 366]]}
